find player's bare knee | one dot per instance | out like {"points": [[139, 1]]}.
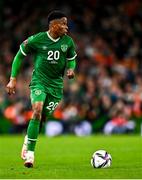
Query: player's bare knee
{"points": [[37, 112], [36, 115]]}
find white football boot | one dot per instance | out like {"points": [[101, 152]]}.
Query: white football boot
{"points": [[29, 159], [24, 148]]}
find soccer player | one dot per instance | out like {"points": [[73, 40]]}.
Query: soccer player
{"points": [[54, 52]]}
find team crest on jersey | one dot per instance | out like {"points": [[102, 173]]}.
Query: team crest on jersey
{"points": [[64, 47]]}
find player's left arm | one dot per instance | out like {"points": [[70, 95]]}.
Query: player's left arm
{"points": [[71, 61], [70, 68]]}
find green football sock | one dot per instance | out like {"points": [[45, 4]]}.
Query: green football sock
{"points": [[33, 131]]}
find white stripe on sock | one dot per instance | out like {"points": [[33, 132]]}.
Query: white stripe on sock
{"points": [[32, 139]]}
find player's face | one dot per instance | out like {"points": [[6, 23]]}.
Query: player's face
{"points": [[60, 26]]}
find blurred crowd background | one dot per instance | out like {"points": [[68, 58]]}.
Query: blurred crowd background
{"points": [[106, 94]]}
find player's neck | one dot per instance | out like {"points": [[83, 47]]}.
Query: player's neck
{"points": [[53, 35]]}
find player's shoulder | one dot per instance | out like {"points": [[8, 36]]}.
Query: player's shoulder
{"points": [[38, 36], [67, 38]]}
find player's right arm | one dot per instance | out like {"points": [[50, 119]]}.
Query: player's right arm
{"points": [[14, 72], [26, 47]]}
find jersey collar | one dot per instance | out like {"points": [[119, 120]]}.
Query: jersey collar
{"points": [[52, 39]]}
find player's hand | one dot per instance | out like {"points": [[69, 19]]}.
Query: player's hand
{"points": [[70, 73], [11, 86]]}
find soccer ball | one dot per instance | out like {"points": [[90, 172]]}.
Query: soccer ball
{"points": [[101, 159]]}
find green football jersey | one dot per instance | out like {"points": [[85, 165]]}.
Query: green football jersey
{"points": [[50, 58]]}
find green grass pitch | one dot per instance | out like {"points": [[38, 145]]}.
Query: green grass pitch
{"points": [[67, 157]]}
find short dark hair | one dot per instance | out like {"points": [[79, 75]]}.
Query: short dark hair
{"points": [[55, 15]]}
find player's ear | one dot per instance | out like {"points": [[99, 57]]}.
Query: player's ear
{"points": [[49, 25]]}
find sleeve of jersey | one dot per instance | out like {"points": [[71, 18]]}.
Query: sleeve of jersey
{"points": [[71, 55], [71, 64], [16, 64], [28, 46]]}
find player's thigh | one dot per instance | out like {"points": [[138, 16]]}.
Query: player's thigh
{"points": [[37, 95], [50, 104]]}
